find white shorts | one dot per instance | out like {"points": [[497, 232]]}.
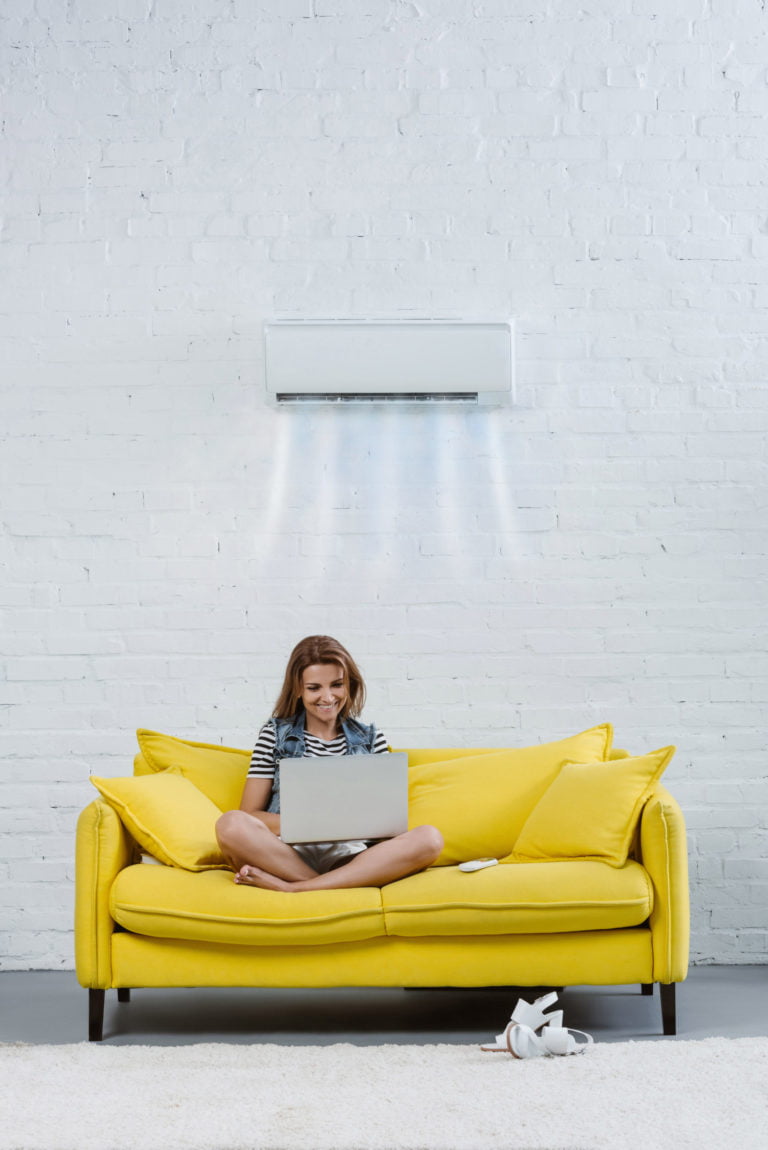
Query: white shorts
{"points": [[323, 857]]}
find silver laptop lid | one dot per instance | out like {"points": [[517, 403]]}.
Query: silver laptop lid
{"points": [[335, 797]]}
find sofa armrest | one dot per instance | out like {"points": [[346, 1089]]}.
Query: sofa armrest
{"points": [[665, 858], [103, 848]]}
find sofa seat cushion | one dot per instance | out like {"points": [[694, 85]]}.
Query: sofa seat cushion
{"points": [[209, 906], [519, 898]]}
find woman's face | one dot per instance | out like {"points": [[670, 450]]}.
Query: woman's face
{"points": [[324, 691]]}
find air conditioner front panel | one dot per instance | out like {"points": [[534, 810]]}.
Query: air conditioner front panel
{"points": [[388, 359]]}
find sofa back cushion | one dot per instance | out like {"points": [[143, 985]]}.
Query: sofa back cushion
{"points": [[418, 756], [219, 772], [480, 801]]}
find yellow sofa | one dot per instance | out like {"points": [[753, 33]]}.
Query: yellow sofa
{"points": [[544, 917]]}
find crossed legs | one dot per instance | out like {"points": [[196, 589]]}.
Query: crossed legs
{"points": [[259, 858]]}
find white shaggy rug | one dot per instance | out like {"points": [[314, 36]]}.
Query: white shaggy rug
{"points": [[655, 1095]]}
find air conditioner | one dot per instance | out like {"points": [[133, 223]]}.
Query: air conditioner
{"points": [[389, 361]]}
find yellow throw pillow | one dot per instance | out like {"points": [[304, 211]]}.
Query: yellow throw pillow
{"points": [[168, 816], [219, 772], [591, 810], [481, 801]]}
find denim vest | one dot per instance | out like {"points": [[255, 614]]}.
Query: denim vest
{"points": [[289, 744]]}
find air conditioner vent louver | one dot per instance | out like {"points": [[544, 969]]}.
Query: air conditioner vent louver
{"points": [[379, 397], [388, 362]]}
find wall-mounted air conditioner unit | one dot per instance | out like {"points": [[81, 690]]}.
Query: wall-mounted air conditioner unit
{"points": [[389, 361]]}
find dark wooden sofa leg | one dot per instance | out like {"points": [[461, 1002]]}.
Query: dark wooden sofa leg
{"points": [[123, 994], [668, 1007], [96, 1015], [646, 988]]}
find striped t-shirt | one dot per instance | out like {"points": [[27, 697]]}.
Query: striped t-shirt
{"points": [[263, 761]]}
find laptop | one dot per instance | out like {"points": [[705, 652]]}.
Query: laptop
{"points": [[335, 797]]}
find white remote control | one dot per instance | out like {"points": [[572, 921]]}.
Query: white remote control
{"points": [[478, 864]]}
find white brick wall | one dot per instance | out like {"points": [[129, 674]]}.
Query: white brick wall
{"points": [[178, 172]]}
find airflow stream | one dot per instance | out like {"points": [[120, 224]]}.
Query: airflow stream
{"points": [[389, 362]]}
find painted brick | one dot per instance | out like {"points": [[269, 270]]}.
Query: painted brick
{"points": [[595, 552]]}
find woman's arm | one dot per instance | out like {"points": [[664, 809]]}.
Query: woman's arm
{"points": [[255, 798]]}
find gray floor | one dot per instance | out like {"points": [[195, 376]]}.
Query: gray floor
{"points": [[50, 1007]]}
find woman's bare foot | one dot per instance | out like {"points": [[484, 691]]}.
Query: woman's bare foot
{"points": [[255, 876]]}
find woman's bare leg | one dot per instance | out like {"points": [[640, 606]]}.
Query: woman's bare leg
{"points": [[385, 862], [246, 841]]}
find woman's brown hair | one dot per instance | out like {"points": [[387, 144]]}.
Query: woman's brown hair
{"points": [[319, 649]]}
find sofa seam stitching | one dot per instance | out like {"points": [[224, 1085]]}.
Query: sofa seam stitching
{"points": [[195, 916], [668, 931]]}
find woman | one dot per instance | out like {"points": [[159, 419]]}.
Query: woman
{"points": [[316, 714]]}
